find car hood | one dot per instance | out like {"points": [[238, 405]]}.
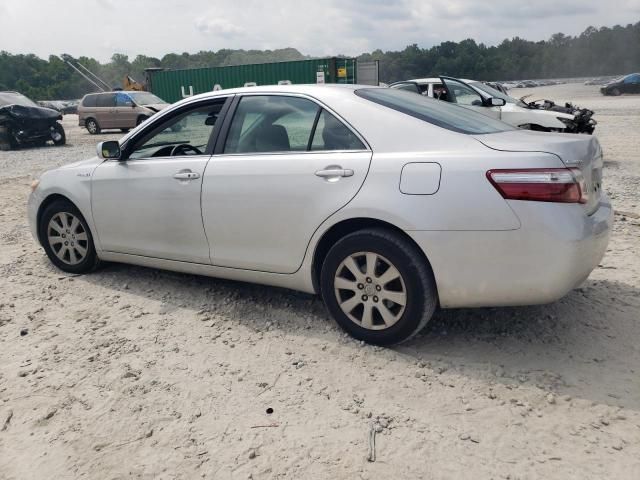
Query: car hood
{"points": [[31, 113], [572, 148], [156, 107]]}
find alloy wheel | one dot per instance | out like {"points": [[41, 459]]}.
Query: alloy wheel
{"points": [[370, 290], [67, 238]]}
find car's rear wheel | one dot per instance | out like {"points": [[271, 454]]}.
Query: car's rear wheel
{"points": [[141, 119], [5, 139], [92, 126], [124, 130], [66, 238], [378, 286]]}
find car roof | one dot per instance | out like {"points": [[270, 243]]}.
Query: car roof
{"points": [[434, 80]]}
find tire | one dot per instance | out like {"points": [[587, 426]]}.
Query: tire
{"points": [[141, 119], [58, 240], [92, 126], [5, 140], [60, 130], [124, 130], [616, 92], [388, 251]]}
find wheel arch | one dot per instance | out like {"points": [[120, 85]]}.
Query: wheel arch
{"points": [[350, 225], [45, 203]]}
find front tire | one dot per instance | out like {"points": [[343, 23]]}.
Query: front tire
{"points": [[616, 92], [63, 137], [378, 286], [66, 238]]}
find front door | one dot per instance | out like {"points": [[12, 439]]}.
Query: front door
{"points": [[148, 203], [126, 112], [286, 166]]}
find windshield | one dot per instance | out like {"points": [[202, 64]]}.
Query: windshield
{"points": [[443, 114], [145, 98], [492, 92], [7, 98]]}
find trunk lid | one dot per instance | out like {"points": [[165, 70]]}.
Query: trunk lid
{"points": [[577, 151]]}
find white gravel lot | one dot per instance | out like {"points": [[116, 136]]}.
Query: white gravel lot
{"points": [[138, 373]]}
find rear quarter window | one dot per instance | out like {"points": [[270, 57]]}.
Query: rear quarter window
{"points": [[442, 114], [89, 101]]}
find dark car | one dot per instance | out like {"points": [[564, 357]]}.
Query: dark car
{"points": [[23, 122], [627, 84]]}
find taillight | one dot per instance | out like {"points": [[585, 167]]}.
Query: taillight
{"points": [[562, 185]]}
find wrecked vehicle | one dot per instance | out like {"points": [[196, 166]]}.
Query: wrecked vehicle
{"points": [[582, 116], [627, 84], [482, 98], [23, 122], [119, 110]]}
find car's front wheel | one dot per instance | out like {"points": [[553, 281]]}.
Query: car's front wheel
{"points": [[378, 286], [66, 238]]}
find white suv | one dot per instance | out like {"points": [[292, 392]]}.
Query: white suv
{"points": [[493, 103]]}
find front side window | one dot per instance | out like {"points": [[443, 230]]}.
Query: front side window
{"points": [[271, 123], [462, 94], [441, 114], [123, 100], [185, 133]]}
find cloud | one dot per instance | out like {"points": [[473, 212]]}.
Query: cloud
{"points": [[319, 27]]}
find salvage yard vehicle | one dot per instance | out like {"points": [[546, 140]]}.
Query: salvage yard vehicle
{"points": [[117, 110], [482, 98], [627, 84], [385, 203], [24, 123]]}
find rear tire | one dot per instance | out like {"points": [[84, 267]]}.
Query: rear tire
{"points": [[124, 130], [365, 279], [66, 238], [92, 126], [5, 139], [141, 119]]}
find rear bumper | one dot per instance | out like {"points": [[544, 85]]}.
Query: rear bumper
{"points": [[554, 251]]}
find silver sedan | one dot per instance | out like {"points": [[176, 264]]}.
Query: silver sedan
{"points": [[386, 204]]}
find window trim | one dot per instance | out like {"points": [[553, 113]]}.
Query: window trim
{"points": [[224, 131], [153, 126]]}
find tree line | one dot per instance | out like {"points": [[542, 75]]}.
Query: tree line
{"points": [[595, 52]]}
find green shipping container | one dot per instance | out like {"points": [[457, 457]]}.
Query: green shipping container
{"points": [[173, 85]]}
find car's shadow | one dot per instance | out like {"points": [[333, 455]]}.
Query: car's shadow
{"points": [[585, 345]]}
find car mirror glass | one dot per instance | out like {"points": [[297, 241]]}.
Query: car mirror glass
{"points": [[109, 150], [497, 102]]}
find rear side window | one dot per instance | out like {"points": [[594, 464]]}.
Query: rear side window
{"points": [[332, 134], [442, 114], [89, 101], [106, 100]]}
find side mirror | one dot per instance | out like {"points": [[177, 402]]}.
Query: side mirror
{"points": [[497, 102], [109, 150]]}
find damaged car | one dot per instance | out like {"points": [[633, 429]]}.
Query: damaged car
{"points": [[482, 98], [121, 110], [24, 123], [582, 116]]}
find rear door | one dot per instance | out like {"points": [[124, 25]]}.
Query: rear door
{"points": [[466, 96], [283, 166], [106, 110]]}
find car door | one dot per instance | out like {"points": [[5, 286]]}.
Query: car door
{"points": [[283, 165], [126, 115], [105, 110], [148, 203], [466, 96]]}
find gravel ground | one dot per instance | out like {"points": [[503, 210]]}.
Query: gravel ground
{"points": [[134, 372]]}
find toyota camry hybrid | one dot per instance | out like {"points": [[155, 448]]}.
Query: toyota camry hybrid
{"points": [[387, 204]]}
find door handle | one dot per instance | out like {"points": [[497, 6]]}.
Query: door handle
{"points": [[186, 175], [334, 172]]}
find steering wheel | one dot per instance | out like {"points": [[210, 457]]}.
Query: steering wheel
{"points": [[183, 148]]}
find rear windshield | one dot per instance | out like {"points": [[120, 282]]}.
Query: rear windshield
{"points": [[437, 112]]}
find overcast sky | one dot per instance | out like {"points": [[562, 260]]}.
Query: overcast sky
{"points": [[98, 28]]}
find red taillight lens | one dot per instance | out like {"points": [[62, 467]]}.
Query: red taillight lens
{"points": [[562, 185]]}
